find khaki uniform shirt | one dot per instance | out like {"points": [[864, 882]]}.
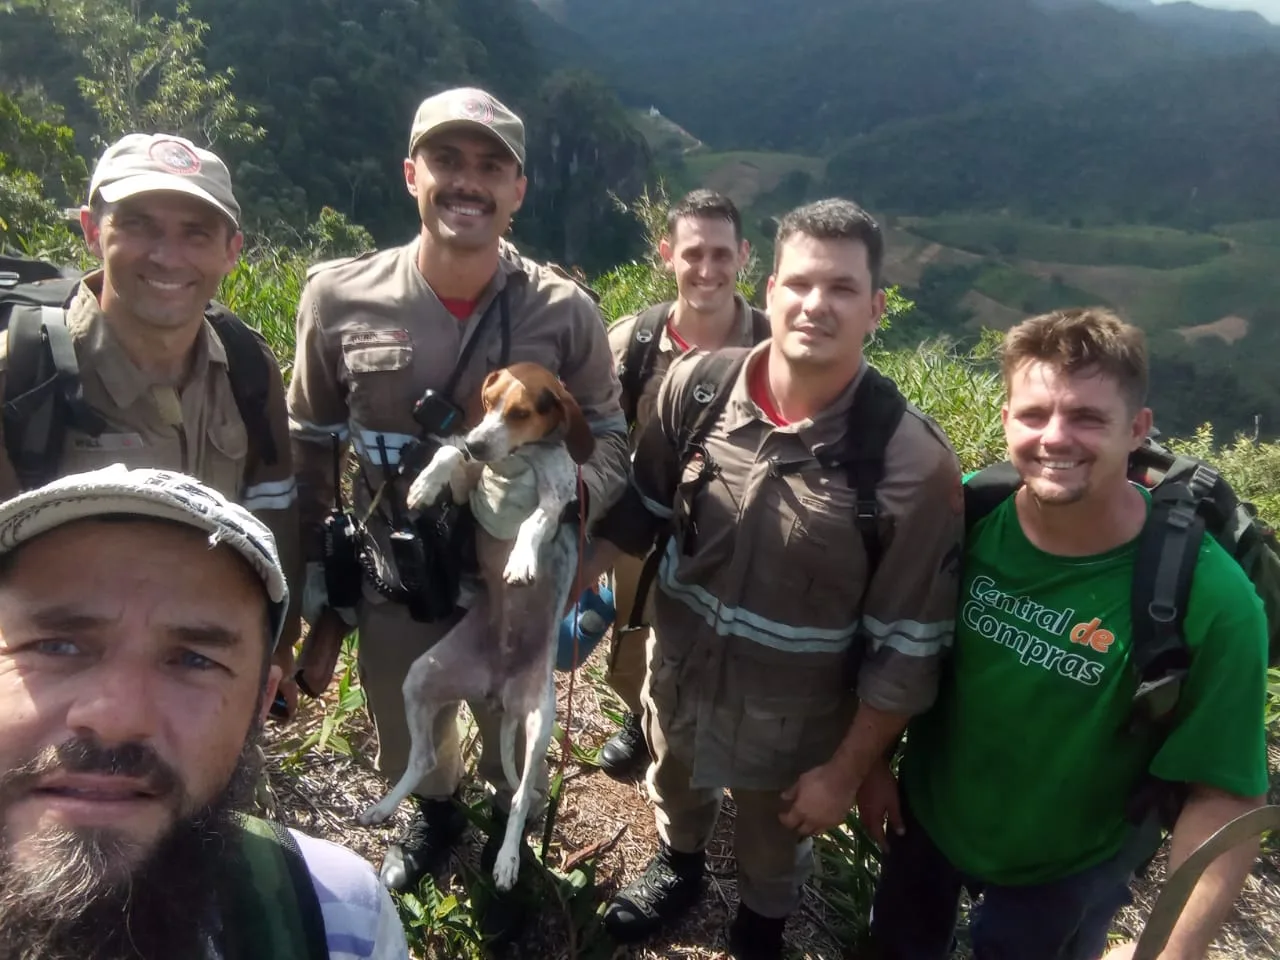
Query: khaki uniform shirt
{"points": [[372, 336], [742, 335], [761, 612], [195, 430]]}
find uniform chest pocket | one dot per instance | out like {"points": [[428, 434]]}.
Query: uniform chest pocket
{"points": [[379, 374], [228, 451], [825, 555]]}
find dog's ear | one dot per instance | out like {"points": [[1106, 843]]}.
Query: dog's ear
{"points": [[475, 408], [579, 440]]}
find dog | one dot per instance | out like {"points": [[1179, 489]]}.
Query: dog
{"points": [[503, 649]]}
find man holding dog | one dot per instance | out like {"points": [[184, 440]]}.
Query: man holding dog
{"points": [[157, 372], [1035, 779], [704, 249], [132, 697], [435, 315], [799, 620]]}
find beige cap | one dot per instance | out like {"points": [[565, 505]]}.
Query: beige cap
{"points": [[155, 494], [146, 163], [468, 107]]}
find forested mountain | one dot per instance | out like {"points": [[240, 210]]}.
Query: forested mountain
{"points": [[781, 75], [335, 84]]}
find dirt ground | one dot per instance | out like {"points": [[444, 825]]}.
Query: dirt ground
{"points": [[322, 794]]}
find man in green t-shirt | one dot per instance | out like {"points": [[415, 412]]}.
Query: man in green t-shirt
{"points": [[1018, 783]]}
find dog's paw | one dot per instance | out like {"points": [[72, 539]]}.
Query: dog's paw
{"points": [[522, 567], [434, 477], [506, 868], [378, 813]]}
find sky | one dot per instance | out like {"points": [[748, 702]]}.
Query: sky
{"points": [[1268, 8]]}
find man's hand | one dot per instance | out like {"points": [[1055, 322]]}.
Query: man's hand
{"points": [[819, 800], [287, 691], [878, 802]]}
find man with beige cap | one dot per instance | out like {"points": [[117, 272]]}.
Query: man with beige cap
{"points": [[420, 326], [141, 367]]}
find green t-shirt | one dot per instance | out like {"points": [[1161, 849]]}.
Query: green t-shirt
{"points": [[1021, 771]]}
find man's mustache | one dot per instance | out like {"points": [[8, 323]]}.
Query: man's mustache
{"points": [[467, 199], [85, 755]]}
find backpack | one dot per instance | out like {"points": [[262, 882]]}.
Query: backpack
{"points": [[270, 909], [1188, 498], [874, 414], [642, 351], [43, 395]]}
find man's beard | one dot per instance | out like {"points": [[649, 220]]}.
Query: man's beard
{"points": [[84, 894]]}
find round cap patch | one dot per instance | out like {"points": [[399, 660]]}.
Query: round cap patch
{"points": [[475, 108], [175, 157]]}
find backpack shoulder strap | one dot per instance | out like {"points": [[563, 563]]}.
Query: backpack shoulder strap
{"points": [[710, 383], [43, 393], [1163, 568], [760, 329], [250, 374], [987, 489], [271, 909], [874, 415], [642, 349]]}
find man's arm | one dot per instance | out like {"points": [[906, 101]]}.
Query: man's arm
{"points": [[908, 619], [317, 409], [587, 372], [271, 493], [1207, 810]]}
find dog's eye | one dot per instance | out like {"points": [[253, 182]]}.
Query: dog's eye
{"points": [[517, 414]]}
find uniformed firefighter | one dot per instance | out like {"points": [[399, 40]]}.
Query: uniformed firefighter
{"points": [[418, 327], [807, 588], [704, 249]]}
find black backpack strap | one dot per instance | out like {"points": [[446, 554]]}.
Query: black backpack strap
{"points": [[249, 371], [874, 415], [710, 383], [270, 906], [43, 393], [1163, 568], [987, 489], [642, 350], [760, 329]]}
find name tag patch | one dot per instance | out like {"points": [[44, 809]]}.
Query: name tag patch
{"points": [[109, 442]]}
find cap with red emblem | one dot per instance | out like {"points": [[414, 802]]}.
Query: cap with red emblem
{"points": [[145, 163], [468, 107]]}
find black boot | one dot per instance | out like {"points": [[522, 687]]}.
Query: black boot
{"points": [[424, 846], [502, 914], [668, 888], [753, 937], [626, 755]]}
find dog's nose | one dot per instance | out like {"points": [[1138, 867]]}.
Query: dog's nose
{"points": [[477, 449]]}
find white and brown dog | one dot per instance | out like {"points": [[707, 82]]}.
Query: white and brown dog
{"points": [[503, 649]]}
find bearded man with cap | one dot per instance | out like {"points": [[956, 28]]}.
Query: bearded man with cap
{"points": [[374, 335], [157, 379], [131, 698]]}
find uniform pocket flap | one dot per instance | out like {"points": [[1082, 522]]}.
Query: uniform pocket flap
{"points": [[377, 352]]}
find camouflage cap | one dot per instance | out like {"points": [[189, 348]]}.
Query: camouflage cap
{"points": [[468, 107], [146, 163]]}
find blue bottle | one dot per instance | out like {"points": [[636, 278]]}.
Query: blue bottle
{"points": [[595, 615]]}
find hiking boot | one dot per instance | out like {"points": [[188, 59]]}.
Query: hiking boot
{"points": [[754, 937], [424, 846], [501, 914], [626, 755], [668, 888]]}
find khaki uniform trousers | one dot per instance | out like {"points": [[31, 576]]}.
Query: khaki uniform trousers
{"points": [[389, 641], [628, 656], [774, 862]]}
